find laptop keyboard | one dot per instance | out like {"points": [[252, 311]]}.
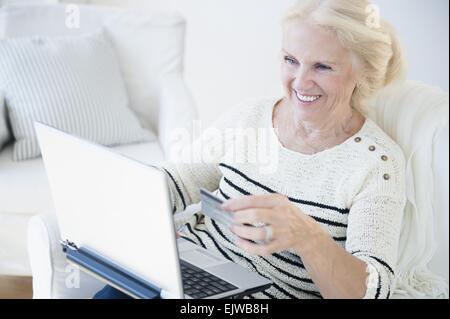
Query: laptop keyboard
{"points": [[198, 283]]}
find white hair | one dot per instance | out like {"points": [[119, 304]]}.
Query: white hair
{"points": [[370, 39]]}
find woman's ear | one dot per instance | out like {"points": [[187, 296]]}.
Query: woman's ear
{"points": [[358, 77], [357, 68]]}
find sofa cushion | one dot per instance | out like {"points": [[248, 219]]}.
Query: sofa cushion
{"points": [[72, 83], [24, 186], [148, 47]]}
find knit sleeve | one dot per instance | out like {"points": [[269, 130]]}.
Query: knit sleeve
{"points": [[186, 179], [197, 165], [374, 224]]}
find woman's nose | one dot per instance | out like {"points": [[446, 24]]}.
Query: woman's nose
{"points": [[303, 80]]}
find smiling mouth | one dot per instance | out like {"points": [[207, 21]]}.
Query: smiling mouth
{"points": [[307, 98]]}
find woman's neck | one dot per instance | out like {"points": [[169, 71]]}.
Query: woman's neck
{"points": [[310, 137], [332, 126]]}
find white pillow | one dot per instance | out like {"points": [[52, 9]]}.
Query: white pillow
{"points": [[148, 47], [4, 133], [72, 83]]}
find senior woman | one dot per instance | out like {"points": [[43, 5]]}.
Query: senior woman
{"points": [[333, 206]]}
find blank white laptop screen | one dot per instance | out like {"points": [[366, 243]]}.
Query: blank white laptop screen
{"points": [[112, 205]]}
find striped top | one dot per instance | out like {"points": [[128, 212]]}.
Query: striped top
{"points": [[355, 190]]}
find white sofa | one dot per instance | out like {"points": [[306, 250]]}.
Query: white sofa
{"points": [[24, 190]]}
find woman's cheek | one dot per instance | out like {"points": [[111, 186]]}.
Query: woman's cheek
{"points": [[286, 78]]}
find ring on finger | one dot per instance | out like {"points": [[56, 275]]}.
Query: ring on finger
{"points": [[268, 233]]}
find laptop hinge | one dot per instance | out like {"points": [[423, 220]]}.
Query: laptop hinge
{"points": [[109, 271], [66, 244]]}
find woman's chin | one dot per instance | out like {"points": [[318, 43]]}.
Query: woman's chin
{"points": [[307, 108]]}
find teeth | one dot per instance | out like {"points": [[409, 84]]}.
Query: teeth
{"points": [[307, 98]]}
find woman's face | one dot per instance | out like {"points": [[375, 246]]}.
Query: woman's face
{"points": [[317, 73]]}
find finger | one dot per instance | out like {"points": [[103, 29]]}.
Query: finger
{"points": [[258, 249], [254, 201], [253, 215], [248, 232]]}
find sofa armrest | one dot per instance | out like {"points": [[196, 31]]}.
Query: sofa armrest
{"points": [[39, 252], [177, 110], [53, 277]]}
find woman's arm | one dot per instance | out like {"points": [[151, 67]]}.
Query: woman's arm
{"points": [[195, 164], [186, 179], [335, 272], [372, 238]]}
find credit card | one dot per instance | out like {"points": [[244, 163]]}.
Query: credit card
{"points": [[211, 207]]}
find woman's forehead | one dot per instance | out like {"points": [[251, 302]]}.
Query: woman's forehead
{"points": [[307, 41]]}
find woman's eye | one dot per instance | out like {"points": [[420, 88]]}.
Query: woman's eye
{"points": [[323, 67], [289, 60]]}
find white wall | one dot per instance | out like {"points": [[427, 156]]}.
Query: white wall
{"points": [[233, 45], [232, 51], [5, 2], [423, 26]]}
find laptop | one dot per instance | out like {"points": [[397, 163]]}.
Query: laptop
{"points": [[116, 222]]}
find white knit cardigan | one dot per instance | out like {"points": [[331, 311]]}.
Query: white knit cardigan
{"points": [[355, 190]]}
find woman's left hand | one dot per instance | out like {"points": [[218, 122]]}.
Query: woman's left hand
{"points": [[290, 228]]}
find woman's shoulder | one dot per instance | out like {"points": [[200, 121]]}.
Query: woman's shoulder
{"points": [[380, 159], [380, 152], [380, 140]]}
